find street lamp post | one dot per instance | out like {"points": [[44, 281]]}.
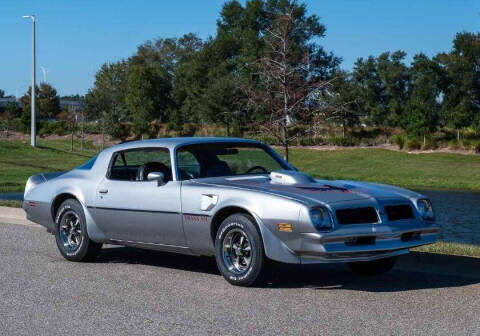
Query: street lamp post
{"points": [[33, 132]]}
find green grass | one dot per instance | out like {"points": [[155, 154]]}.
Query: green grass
{"points": [[18, 160], [451, 248], [423, 171], [417, 171], [11, 204]]}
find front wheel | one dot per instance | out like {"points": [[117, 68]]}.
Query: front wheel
{"points": [[71, 233], [239, 251], [374, 267]]}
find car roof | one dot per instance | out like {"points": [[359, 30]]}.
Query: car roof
{"points": [[172, 143]]}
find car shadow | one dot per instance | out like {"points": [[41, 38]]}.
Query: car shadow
{"points": [[415, 271], [132, 255]]}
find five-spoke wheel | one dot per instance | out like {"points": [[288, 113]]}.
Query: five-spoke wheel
{"points": [[71, 233], [239, 250]]}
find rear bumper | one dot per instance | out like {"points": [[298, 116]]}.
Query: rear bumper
{"points": [[39, 212], [363, 246]]}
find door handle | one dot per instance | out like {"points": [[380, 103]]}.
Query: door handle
{"points": [[103, 191]]}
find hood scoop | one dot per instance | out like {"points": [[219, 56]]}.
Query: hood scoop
{"points": [[290, 177]]}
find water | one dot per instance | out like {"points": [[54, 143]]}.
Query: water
{"points": [[458, 215], [457, 212], [11, 196]]}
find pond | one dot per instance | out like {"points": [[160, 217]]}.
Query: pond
{"points": [[458, 213]]}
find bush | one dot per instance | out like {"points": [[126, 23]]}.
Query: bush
{"points": [[467, 144], [344, 142], [453, 144], [52, 127], [476, 147], [413, 144], [188, 130], [429, 144], [399, 140]]}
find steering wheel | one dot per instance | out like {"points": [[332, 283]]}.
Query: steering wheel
{"points": [[251, 169]]}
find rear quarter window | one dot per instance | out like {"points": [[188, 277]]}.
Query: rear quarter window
{"points": [[89, 164]]}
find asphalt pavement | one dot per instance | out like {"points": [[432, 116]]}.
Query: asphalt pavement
{"points": [[129, 291]]}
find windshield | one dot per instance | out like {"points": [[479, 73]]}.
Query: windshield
{"points": [[226, 159]]}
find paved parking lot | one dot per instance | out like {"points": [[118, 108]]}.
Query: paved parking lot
{"points": [[131, 291]]}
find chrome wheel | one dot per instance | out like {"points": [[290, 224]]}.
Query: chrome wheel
{"points": [[236, 251], [71, 231]]}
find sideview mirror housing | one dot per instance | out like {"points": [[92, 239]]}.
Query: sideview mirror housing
{"points": [[156, 176]]}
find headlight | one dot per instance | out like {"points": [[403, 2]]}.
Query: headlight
{"points": [[321, 219], [425, 210]]}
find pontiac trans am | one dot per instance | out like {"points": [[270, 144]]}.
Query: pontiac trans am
{"points": [[235, 199]]}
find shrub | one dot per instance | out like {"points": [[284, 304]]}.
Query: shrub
{"points": [[188, 130], [453, 144], [476, 147], [429, 144], [413, 144], [399, 140], [467, 144], [344, 142]]}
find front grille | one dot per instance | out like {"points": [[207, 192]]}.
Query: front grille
{"points": [[357, 216], [398, 212]]}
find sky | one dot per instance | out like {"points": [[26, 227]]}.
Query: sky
{"points": [[74, 38]]}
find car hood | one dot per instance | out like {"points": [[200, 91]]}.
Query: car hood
{"points": [[317, 191]]}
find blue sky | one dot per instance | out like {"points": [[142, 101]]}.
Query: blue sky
{"points": [[75, 37]]}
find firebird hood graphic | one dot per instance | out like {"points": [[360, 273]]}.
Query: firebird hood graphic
{"points": [[323, 191]]}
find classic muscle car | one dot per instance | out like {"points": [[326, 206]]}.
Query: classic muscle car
{"points": [[235, 199]]}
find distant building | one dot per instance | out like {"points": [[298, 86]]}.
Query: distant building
{"points": [[4, 101], [67, 104], [64, 103]]}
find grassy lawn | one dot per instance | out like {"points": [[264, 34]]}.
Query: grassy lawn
{"points": [[451, 248], [18, 160], [422, 171], [433, 171]]}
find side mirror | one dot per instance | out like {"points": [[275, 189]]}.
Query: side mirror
{"points": [[156, 176]]}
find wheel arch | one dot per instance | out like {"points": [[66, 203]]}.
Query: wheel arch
{"points": [[223, 213], [273, 247], [58, 200]]}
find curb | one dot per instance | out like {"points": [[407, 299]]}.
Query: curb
{"points": [[15, 216]]}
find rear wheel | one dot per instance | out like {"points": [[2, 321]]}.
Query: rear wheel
{"points": [[71, 233], [239, 251], [374, 267]]}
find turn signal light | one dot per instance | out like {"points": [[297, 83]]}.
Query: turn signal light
{"points": [[285, 227]]}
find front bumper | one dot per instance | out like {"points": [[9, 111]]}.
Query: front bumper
{"points": [[364, 243]]}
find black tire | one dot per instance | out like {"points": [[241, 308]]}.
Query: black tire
{"points": [[85, 249], [247, 273], [375, 267]]}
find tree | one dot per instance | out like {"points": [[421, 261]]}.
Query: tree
{"points": [[2, 93], [343, 101], [46, 100], [422, 108], [11, 112], [291, 73], [383, 83], [26, 117], [143, 98], [461, 101], [106, 101]]}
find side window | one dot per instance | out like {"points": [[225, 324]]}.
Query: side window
{"points": [[135, 165], [188, 165]]}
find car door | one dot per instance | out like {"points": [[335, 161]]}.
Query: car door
{"points": [[130, 209]]}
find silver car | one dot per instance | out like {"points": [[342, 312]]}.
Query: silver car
{"points": [[235, 199]]}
